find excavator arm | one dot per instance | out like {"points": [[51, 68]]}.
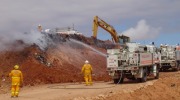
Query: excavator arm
{"points": [[99, 22]]}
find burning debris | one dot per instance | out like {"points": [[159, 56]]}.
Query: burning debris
{"points": [[42, 59]]}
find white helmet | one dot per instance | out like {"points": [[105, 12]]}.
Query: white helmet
{"points": [[86, 61]]}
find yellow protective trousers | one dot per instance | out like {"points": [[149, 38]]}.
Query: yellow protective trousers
{"points": [[88, 79], [15, 90], [15, 86]]}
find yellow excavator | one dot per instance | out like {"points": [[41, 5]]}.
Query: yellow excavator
{"points": [[117, 39]]}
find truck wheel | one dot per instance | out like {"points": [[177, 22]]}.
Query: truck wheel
{"points": [[176, 67], [131, 78], [157, 73], [161, 69], [117, 81], [144, 77], [122, 80]]}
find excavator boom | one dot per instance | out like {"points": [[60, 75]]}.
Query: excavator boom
{"points": [[110, 29], [99, 22]]}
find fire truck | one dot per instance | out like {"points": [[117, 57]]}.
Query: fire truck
{"points": [[133, 61], [170, 57]]}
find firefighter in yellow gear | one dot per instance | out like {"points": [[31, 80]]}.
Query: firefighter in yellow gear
{"points": [[17, 80], [87, 71]]}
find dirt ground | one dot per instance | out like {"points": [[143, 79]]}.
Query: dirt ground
{"points": [[166, 88]]}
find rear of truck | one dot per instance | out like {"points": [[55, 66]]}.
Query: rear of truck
{"points": [[170, 58], [130, 65]]}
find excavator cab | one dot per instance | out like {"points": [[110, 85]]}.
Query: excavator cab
{"points": [[124, 39]]}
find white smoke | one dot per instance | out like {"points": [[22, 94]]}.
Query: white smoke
{"points": [[10, 41], [35, 37], [142, 31]]}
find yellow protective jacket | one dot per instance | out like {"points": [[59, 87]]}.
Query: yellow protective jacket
{"points": [[16, 76], [86, 69]]}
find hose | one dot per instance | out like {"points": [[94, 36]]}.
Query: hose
{"points": [[121, 76]]}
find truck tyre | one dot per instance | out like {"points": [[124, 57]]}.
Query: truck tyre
{"points": [[117, 81], [131, 78], [177, 67], [144, 77], [122, 80], [161, 69], [157, 73]]}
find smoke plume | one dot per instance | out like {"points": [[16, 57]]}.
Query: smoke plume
{"points": [[142, 31], [17, 40]]}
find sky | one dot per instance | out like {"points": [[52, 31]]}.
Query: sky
{"points": [[143, 20]]}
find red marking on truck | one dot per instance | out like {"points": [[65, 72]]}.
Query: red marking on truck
{"points": [[145, 56], [146, 62], [156, 60]]}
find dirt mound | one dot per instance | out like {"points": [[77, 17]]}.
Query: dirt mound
{"points": [[166, 88], [60, 62]]}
